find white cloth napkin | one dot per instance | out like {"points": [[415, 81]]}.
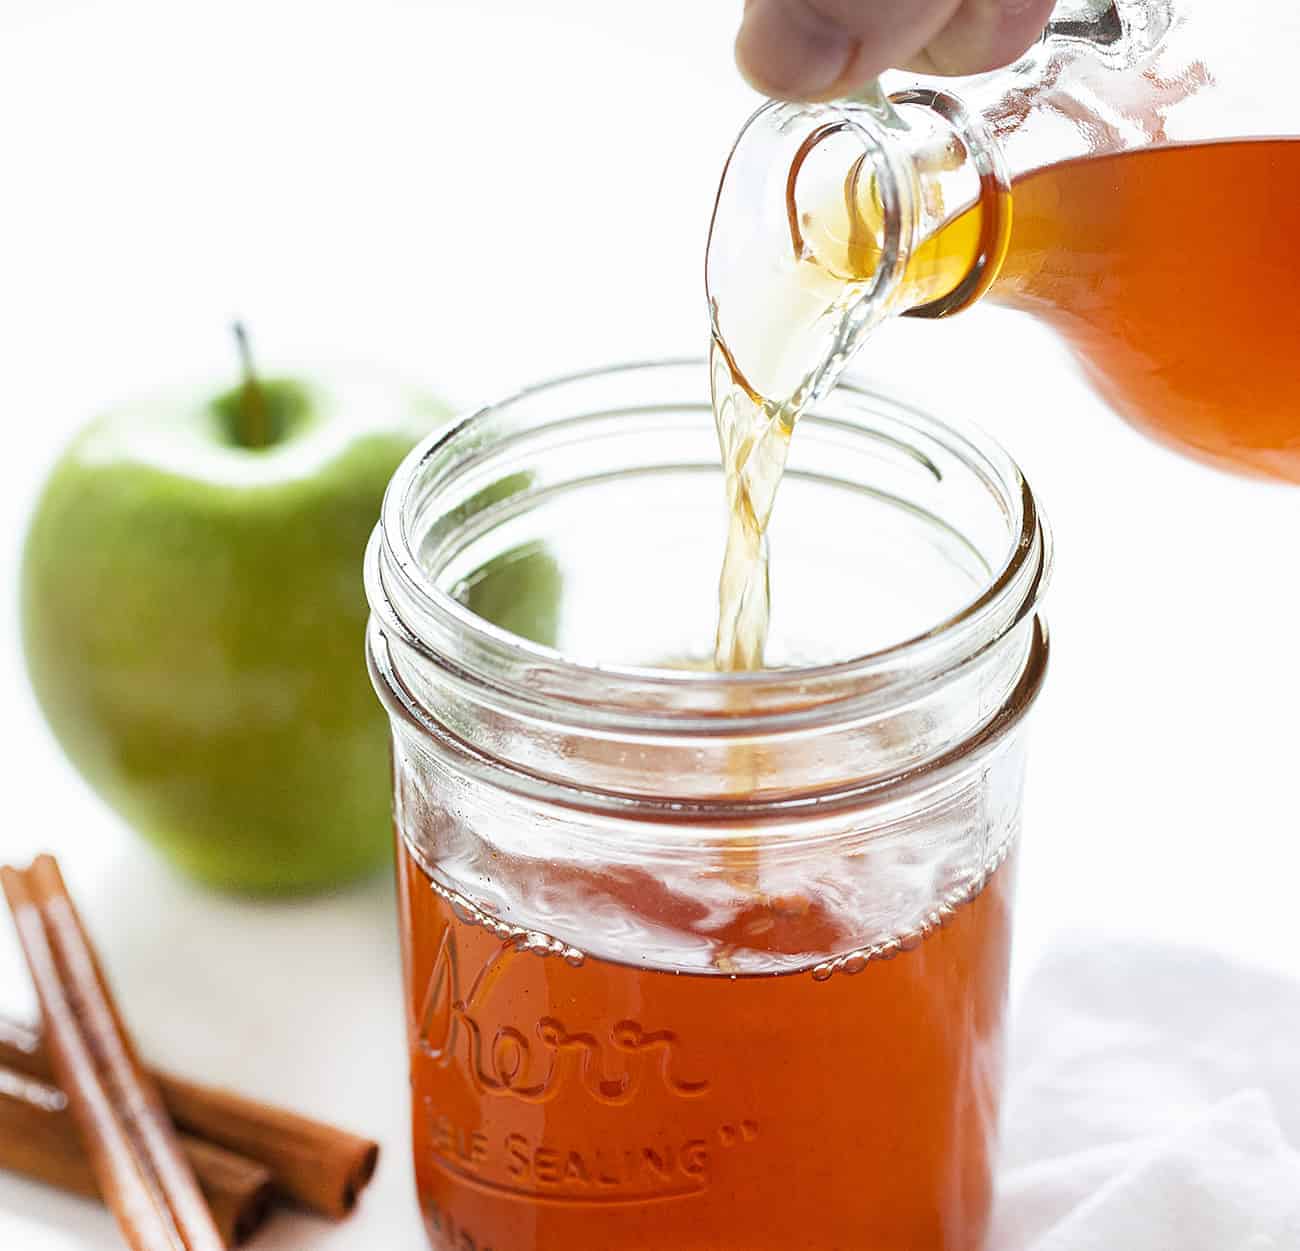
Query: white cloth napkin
{"points": [[1153, 1104]]}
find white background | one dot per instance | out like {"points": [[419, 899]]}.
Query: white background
{"points": [[477, 193]]}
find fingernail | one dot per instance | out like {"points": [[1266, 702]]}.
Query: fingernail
{"points": [[785, 51]]}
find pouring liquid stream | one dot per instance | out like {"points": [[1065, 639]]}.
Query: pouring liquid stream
{"points": [[797, 315]]}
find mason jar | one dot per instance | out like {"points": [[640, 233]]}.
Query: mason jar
{"points": [[697, 960]]}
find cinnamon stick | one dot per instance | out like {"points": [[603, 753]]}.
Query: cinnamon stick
{"points": [[316, 1165], [125, 1131], [39, 1140]]}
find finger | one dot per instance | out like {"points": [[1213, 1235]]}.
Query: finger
{"points": [[983, 35], [819, 49]]}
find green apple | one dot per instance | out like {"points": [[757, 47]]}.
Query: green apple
{"points": [[193, 620]]}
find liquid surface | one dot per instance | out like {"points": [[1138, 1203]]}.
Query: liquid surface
{"points": [[562, 1101]]}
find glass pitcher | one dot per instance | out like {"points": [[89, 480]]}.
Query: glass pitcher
{"points": [[1133, 181]]}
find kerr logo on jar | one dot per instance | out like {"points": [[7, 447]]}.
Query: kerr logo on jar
{"points": [[613, 1136], [506, 1062]]}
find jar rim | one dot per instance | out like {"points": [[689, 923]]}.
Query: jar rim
{"points": [[1010, 593]]}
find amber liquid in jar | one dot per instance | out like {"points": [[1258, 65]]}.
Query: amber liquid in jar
{"points": [[567, 1102]]}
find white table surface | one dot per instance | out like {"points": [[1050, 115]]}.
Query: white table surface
{"points": [[476, 193]]}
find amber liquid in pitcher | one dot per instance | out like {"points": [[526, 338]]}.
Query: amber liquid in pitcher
{"points": [[565, 1101], [1169, 271]]}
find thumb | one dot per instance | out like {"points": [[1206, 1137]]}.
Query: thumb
{"points": [[820, 49]]}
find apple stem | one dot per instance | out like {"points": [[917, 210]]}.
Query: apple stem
{"points": [[253, 429]]}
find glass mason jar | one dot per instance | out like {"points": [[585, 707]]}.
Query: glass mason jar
{"points": [[696, 959]]}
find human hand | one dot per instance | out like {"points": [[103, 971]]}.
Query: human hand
{"points": [[821, 49]]}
